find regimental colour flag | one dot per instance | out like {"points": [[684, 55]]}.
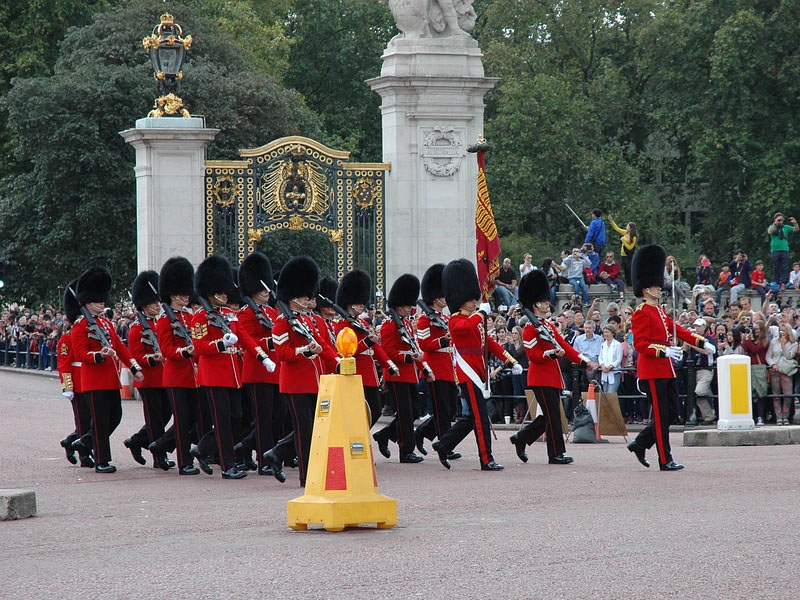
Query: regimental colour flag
{"points": [[487, 247]]}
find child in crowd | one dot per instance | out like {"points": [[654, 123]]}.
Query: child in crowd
{"points": [[758, 280], [794, 277], [723, 281]]}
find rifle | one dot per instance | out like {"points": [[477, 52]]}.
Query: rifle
{"points": [[295, 324], [543, 330], [351, 320], [148, 335], [178, 328], [95, 331], [263, 319], [214, 318], [434, 318], [404, 335]]}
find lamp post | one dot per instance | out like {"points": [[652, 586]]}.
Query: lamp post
{"points": [[167, 50]]}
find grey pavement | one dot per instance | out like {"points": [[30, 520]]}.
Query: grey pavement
{"points": [[604, 527]]}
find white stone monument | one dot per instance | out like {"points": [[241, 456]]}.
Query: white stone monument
{"points": [[432, 87], [170, 194]]}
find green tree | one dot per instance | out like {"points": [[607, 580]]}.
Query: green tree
{"points": [[73, 204]]}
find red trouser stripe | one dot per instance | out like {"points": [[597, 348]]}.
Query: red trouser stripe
{"points": [[662, 457], [483, 451], [298, 440], [182, 460], [216, 430], [551, 443]]}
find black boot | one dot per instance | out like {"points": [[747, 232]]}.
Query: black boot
{"points": [[66, 444], [639, 452]]}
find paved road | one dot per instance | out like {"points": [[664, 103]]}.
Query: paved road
{"points": [[604, 527]]}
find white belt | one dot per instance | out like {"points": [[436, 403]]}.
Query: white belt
{"points": [[77, 364], [473, 376], [447, 350], [367, 352]]}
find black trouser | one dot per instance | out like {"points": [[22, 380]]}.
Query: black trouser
{"points": [[445, 401], [157, 412], [549, 398], [626, 268], [302, 408], [373, 398], [663, 394], [82, 417], [106, 409], [401, 427], [268, 406], [185, 413], [477, 421], [226, 408]]}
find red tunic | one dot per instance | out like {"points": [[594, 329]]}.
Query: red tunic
{"points": [[258, 337], [143, 352], [69, 369], [436, 348], [299, 371], [399, 352], [466, 331], [652, 334], [217, 366], [543, 369], [323, 330], [367, 352], [179, 365], [97, 371]]}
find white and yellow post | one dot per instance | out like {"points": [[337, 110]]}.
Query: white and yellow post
{"points": [[735, 405], [342, 485]]}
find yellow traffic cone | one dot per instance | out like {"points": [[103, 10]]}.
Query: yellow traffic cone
{"points": [[342, 485], [591, 405]]}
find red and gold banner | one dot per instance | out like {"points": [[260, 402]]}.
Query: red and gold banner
{"points": [[487, 248]]}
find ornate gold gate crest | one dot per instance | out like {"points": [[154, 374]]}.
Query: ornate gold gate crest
{"points": [[298, 184]]}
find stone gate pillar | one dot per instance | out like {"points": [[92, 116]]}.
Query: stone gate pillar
{"points": [[432, 91], [170, 194]]}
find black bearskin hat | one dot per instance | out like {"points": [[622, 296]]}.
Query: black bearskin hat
{"points": [[176, 279], [355, 288], [326, 292], [534, 288], [72, 309], [432, 284], [460, 283], [93, 286], [648, 268], [298, 278], [144, 289], [235, 294], [255, 272], [404, 292], [213, 276]]}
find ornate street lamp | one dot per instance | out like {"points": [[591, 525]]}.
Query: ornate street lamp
{"points": [[167, 50]]}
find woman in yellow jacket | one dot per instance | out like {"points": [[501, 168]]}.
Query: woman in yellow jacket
{"points": [[629, 239]]}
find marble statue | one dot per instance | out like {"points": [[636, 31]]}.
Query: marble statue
{"points": [[433, 18]]}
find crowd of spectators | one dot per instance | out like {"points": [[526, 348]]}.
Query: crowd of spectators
{"points": [[29, 335]]}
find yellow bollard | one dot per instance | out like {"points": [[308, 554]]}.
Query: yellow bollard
{"points": [[341, 484]]}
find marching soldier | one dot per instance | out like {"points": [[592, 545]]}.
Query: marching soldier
{"points": [[353, 294], [99, 349], [462, 292], [260, 375], [144, 347], [302, 351], [399, 343], [653, 339], [215, 339], [434, 341], [69, 370], [175, 286], [326, 296], [544, 346]]}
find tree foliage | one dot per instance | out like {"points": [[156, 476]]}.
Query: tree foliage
{"points": [[73, 202]]}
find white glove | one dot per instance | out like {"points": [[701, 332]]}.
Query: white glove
{"points": [[674, 353], [710, 347], [229, 339], [485, 308], [268, 364], [516, 369], [68, 395]]}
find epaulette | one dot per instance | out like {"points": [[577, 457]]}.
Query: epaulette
{"points": [[640, 306]]}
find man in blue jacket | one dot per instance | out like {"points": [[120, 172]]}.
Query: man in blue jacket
{"points": [[596, 232]]}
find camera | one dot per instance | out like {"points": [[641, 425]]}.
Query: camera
{"points": [[721, 337]]}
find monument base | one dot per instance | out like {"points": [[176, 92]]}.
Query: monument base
{"points": [[762, 436]]}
